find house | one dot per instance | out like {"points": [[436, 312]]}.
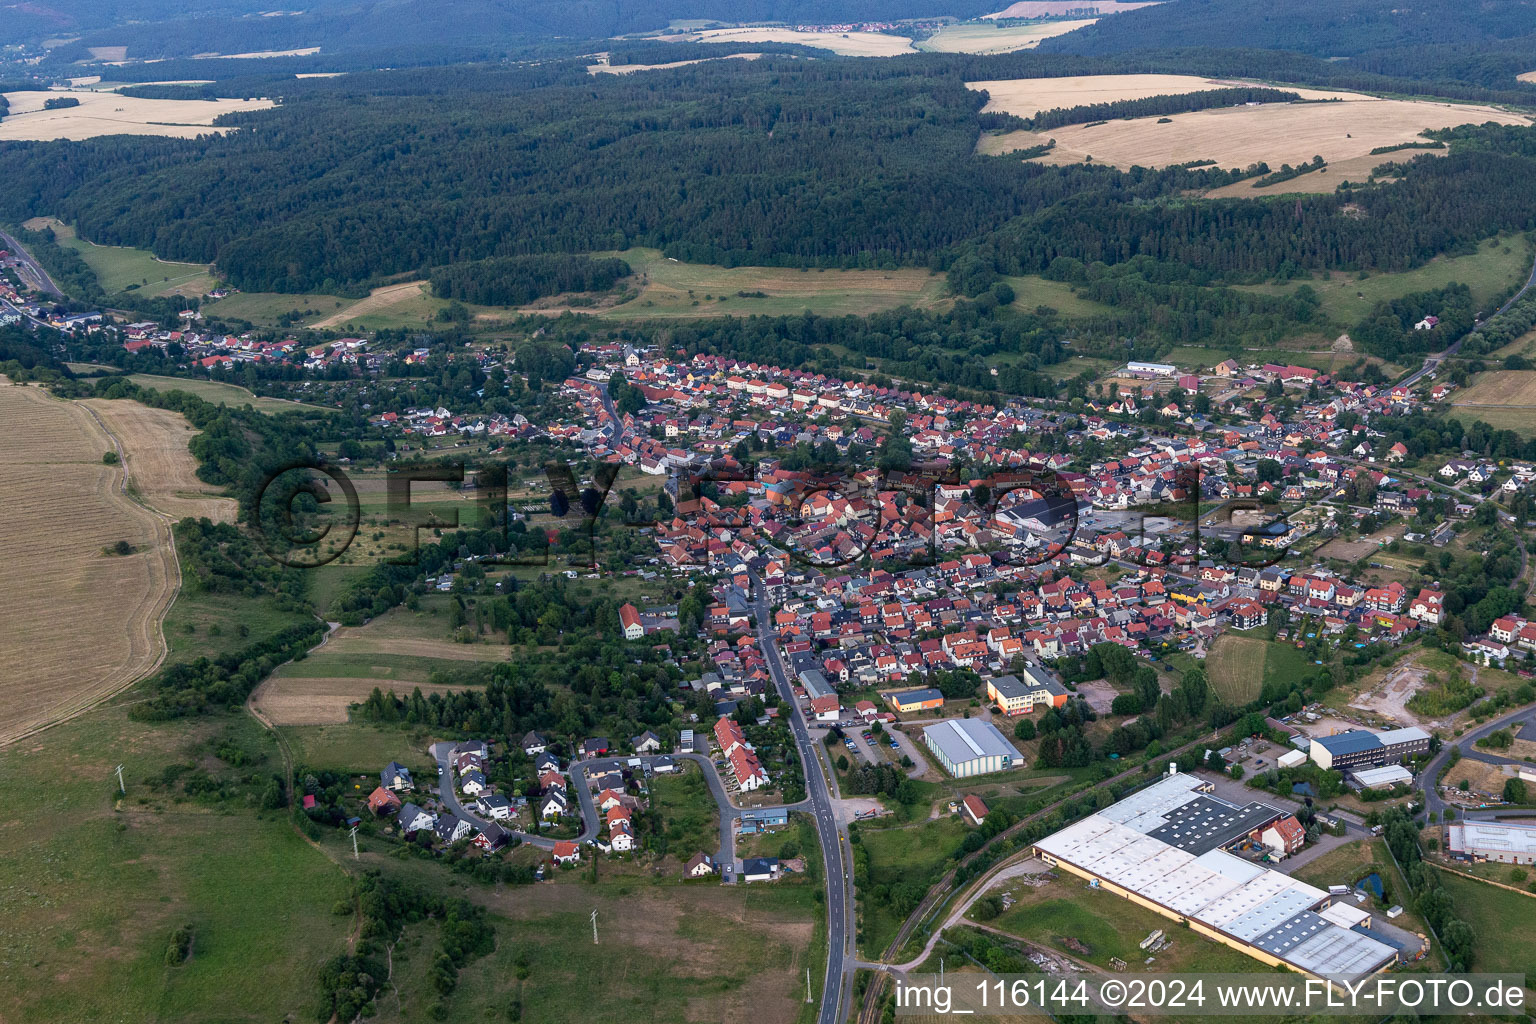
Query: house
{"points": [[594, 747], [629, 621], [646, 743], [450, 828], [826, 709], [665, 766], [760, 869], [413, 819], [397, 777], [534, 744], [973, 808], [553, 804], [476, 747], [472, 782], [383, 801], [1284, 837], [566, 852], [1427, 607], [494, 806], [699, 866]]}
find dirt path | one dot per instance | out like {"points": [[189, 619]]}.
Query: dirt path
{"points": [[378, 299]]}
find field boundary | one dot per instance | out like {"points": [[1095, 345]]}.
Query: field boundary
{"points": [[1476, 878], [155, 622]]}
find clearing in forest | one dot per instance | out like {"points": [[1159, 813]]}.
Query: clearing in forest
{"points": [[985, 37]]}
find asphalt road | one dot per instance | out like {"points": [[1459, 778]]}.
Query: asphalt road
{"points": [[1432, 802], [834, 840], [31, 270]]}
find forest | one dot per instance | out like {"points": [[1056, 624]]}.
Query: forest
{"points": [[517, 280]]}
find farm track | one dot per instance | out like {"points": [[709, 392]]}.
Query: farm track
{"points": [[146, 631]]}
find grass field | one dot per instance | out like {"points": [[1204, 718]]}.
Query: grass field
{"points": [[912, 853], [1502, 921], [1504, 399], [397, 651], [95, 885], [1110, 927], [690, 812], [1030, 292], [1350, 862], [1498, 265], [669, 953], [161, 468], [1238, 666], [1232, 136], [79, 623], [989, 37], [360, 748], [107, 113], [667, 289], [120, 267], [218, 392]]}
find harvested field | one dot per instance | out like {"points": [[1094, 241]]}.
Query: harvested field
{"points": [[306, 700], [1343, 133], [377, 300], [1026, 97], [1505, 400], [305, 52], [604, 68], [162, 470], [80, 624], [850, 44], [355, 640], [1506, 387], [987, 38], [1060, 8], [104, 113]]}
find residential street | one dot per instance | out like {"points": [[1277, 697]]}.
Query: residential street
{"points": [[725, 856]]}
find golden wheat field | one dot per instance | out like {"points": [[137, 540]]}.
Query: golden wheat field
{"points": [[107, 113], [1342, 132], [80, 624], [163, 471]]}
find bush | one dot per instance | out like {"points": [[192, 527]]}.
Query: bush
{"points": [[110, 458]]}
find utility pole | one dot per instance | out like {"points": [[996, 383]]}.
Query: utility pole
{"points": [[353, 834], [594, 927], [121, 788], [807, 984]]}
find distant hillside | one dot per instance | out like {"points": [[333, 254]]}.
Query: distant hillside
{"points": [[1324, 28], [161, 28]]}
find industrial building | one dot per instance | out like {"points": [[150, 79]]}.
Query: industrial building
{"points": [[1385, 777], [969, 746], [1015, 696], [1488, 840], [1164, 848], [1363, 749]]}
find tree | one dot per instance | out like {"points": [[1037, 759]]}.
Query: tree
{"points": [[1514, 791], [1024, 730], [1236, 771]]}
